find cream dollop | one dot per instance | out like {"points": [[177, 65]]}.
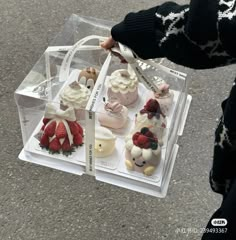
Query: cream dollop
{"points": [[123, 81], [76, 97], [146, 154]]}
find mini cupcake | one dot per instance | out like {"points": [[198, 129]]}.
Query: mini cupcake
{"points": [[76, 96], [122, 86], [143, 153], [113, 115], [88, 77], [104, 142]]}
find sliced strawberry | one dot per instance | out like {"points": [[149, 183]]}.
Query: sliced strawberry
{"points": [[50, 129], [55, 145], [61, 131], [46, 120], [75, 128], [66, 147], [78, 140], [44, 141], [81, 131]]}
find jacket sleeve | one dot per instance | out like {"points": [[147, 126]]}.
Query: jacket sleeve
{"points": [[199, 35]]}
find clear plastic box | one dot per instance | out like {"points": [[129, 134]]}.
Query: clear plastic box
{"points": [[104, 121]]}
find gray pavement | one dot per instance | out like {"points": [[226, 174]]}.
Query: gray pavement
{"points": [[45, 204]]}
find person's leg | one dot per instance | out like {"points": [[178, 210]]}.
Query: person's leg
{"points": [[227, 211], [223, 172], [224, 160]]}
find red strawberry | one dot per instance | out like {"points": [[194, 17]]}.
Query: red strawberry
{"points": [[66, 147], [55, 145], [44, 141], [135, 142], [147, 145], [135, 136], [43, 127], [152, 105], [50, 129], [78, 140], [46, 120], [149, 134], [75, 128], [61, 131], [142, 139], [81, 131]]}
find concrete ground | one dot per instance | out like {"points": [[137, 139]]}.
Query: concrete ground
{"points": [[44, 204]]}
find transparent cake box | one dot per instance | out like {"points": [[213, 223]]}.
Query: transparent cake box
{"points": [[46, 93]]}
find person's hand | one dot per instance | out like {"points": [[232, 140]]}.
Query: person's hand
{"points": [[109, 44]]}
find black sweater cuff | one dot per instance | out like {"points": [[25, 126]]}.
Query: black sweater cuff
{"points": [[137, 31]]}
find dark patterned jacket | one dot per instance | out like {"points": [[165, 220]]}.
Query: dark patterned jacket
{"points": [[200, 35]]}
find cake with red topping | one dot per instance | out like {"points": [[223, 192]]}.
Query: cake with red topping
{"points": [[61, 136], [151, 117], [143, 152]]}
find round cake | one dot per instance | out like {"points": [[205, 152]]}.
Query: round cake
{"points": [[76, 96], [143, 153], [122, 86], [113, 115], [104, 142]]}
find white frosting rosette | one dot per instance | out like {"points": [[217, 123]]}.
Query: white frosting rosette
{"points": [[76, 97], [123, 86], [122, 81]]}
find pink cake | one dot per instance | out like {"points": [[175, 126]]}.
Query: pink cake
{"points": [[113, 115], [152, 118], [122, 86], [143, 153], [164, 97]]}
